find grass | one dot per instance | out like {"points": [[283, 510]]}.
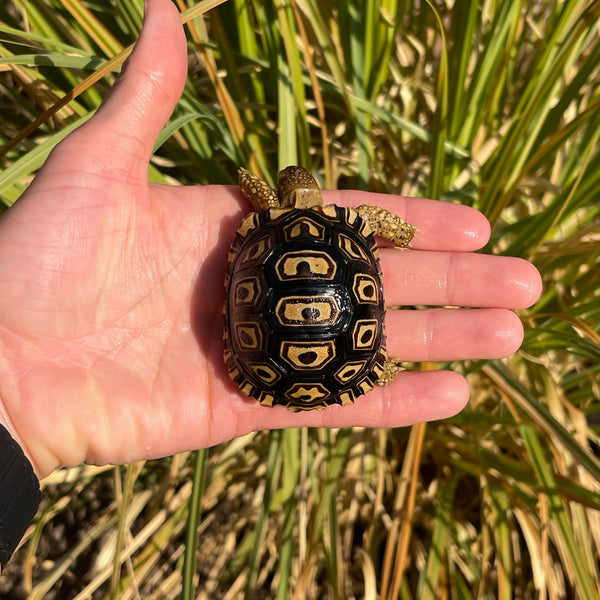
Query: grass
{"points": [[493, 104]]}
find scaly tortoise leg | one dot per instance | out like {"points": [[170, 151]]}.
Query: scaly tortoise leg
{"points": [[387, 224], [395, 229], [256, 191], [391, 368]]}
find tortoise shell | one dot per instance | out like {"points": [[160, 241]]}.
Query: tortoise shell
{"points": [[304, 315]]}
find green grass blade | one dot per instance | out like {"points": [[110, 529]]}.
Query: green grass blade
{"points": [[273, 471], [193, 522], [292, 97], [431, 578], [501, 530], [440, 122], [287, 504]]}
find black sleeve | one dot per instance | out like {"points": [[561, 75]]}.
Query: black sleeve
{"points": [[19, 495]]}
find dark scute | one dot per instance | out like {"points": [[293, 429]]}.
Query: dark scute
{"points": [[246, 338], [366, 337], [263, 373], [311, 314], [306, 358], [303, 269]]}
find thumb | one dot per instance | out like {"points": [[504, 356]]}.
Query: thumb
{"points": [[127, 124]]}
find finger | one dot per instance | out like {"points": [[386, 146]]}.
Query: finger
{"points": [[440, 225], [458, 279], [126, 126], [452, 334], [412, 397]]}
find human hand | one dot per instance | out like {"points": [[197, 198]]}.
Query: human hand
{"points": [[111, 293]]}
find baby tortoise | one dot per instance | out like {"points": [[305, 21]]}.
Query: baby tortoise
{"points": [[304, 315]]}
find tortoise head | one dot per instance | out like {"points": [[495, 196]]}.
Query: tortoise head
{"points": [[298, 189]]}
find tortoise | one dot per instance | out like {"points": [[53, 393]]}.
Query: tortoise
{"points": [[304, 314]]}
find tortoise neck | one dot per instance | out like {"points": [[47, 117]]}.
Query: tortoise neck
{"points": [[302, 198]]}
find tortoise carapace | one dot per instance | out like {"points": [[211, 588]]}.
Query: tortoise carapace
{"points": [[304, 314]]}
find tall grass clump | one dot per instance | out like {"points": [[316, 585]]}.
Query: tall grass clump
{"points": [[492, 104]]}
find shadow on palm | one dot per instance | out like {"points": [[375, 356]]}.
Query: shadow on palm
{"points": [[208, 300]]}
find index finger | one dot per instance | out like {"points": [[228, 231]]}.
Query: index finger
{"points": [[440, 225]]}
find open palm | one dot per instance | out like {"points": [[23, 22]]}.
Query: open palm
{"points": [[111, 292]]}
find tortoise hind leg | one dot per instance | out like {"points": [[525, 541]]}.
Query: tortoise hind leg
{"points": [[387, 224], [391, 368]]}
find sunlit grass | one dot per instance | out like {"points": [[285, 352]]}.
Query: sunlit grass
{"points": [[495, 105]]}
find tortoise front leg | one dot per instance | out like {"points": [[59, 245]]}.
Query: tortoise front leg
{"points": [[387, 224], [256, 191]]}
